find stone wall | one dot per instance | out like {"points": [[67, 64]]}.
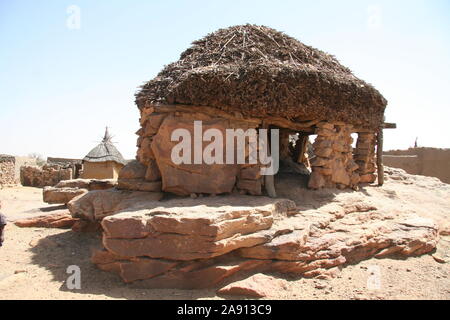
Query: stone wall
{"points": [[7, 170], [336, 164], [10, 168], [48, 175], [333, 164], [364, 156], [75, 164], [431, 162]]}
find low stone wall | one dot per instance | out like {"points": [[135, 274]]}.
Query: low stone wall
{"points": [[10, 168], [364, 156], [7, 170], [48, 175], [431, 162]]}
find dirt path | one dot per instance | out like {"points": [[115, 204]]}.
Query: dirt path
{"points": [[34, 261]]}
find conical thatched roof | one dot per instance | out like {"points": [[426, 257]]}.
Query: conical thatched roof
{"points": [[105, 151], [260, 71]]}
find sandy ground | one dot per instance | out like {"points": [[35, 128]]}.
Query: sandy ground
{"points": [[34, 261]]}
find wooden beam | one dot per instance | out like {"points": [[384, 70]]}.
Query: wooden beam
{"points": [[284, 123], [380, 168], [275, 121], [388, 125], [385, 125]]}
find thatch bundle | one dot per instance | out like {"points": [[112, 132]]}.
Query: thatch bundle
{"points": [[260, 71]]}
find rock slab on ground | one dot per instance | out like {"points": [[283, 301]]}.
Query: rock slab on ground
{"points": [[54, 195], [61, 219], [258, 285]]}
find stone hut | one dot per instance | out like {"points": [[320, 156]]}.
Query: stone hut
{"points": [[104, 161], [254, 77]]}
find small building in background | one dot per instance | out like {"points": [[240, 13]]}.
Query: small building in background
{"points": [[104, 161]]}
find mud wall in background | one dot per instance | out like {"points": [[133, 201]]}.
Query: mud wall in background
{"points": [[101, 170], [422, 161]]}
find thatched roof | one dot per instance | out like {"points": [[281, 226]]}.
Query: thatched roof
{"points": [[260, 71], [105, 151]]}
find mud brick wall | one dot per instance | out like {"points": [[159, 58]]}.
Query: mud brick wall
{"points": [[431, 162]]}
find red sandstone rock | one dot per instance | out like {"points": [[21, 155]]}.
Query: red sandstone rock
{"points": [[258, 285], [89, 184], [54, 195], [139, 185], [86, 226], [200, 275], [95, 205], [316, 181], [251, 173], [153, 123], [184, 179], [368, 178], [133, 170], [61, 219], [253, 187], [152, 173], [181, 244]]}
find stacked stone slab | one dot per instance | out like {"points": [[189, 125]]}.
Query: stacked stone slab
{"points": [[333, 165], [161, 173], [364, 155], [66, 190]]}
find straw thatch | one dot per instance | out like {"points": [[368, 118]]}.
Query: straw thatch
{"points": [[260, 71], [105, 151]]}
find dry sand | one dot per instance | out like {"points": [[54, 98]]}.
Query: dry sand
{"points": [[34, 261]]}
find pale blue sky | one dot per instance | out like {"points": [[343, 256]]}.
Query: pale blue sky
{"points": [[59, 87]]}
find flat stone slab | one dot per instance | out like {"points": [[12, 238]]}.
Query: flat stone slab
{"points": [[97, 204], [54, 195], [60, 219], [186, 230]]}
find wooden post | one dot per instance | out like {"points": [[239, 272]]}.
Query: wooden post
{"points": [[269, 180], [380, 167]]}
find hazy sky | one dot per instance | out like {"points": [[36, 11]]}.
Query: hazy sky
{"points": [[62, 82]]}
